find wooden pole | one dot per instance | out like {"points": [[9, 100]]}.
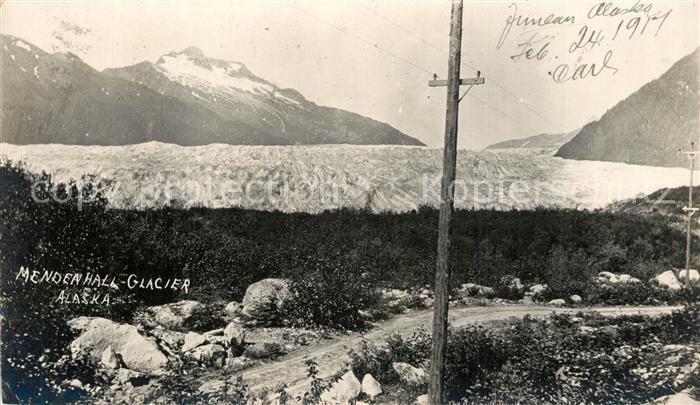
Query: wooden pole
{"points": [[689, 234], [442, 273]]}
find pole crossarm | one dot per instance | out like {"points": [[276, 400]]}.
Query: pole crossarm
{"points": [[462, 82]]}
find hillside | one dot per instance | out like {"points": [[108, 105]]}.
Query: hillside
{"points": [[315, 178], [649, 126], [187, 99], [668, 202], [542, 141]]}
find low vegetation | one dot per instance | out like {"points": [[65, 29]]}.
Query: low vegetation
{"points": [[582, 358], [335, 259]]}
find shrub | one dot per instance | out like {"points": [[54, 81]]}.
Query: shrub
{"points": [[643, 293], [329, 295], [506, 288]]}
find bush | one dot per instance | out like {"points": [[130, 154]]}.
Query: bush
{"points": [[328, 294], [509, 288], [643, 293], [371, 359], [554, 360]]}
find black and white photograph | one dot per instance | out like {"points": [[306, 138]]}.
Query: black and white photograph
{"points": [[349, 202]]}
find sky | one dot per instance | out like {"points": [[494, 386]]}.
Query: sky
{"points": [[375, 58]]}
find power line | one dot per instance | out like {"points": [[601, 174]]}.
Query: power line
{"points": [[502, 112], [402, 59], [437, 48], [359, 38]]}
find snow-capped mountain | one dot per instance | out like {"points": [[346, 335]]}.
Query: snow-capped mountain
{"points": [[232, 91], [185, 98]]}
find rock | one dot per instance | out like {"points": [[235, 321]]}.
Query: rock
{"points": [[137, 352], [510, 287], [576, 299], [428, 302], [239, 363], [557, 302], [395, 294], [209, 354], [214, 332], [668, 280], [609, 277], [410, 375], [683, 274], [170, 338], [212, 386], [192, 340], [75, 383], [110, 359], [537, 288], [423, 400], [124, 376], [236, 331], [235, 339], [264, 350], [475, 290], [370, 386], [176, 315], [263, 300], [343, 391], [232, 310]]}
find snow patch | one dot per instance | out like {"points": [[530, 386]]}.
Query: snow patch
{"points": [[286, 99], [12, 56], [23, 69], [23, 45], [5, 47], [198, 96], [36, 71], [181, 69]]}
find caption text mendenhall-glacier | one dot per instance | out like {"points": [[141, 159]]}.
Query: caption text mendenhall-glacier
{"points": [[95, 280]]}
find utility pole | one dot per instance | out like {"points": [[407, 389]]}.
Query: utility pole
{"points": [[690, 210], [442, 272]]}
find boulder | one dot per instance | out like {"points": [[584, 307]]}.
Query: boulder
{"points": [[232, 310], [124, 376], [474, 290], [537, 289], [668, 279], [110, 359], [235, 330], [175, 315], [235, 339], [138, 353], [371, 387], [410, 375], [192, 340], [263, 300], [557, 302], [683, 274], [209, 354], [343, 391], [608, 277], [576, 299], [212, 386], [395, 295], [239, 363]]}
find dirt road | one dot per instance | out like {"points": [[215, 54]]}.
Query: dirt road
{"points": [[331, 355]]}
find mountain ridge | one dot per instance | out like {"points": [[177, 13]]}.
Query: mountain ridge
{"points": [[544, 141], [58, 98], [649, 126]]}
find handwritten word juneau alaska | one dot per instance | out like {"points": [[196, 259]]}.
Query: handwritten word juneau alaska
{"points": [[91, 281], [595, 30]]}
